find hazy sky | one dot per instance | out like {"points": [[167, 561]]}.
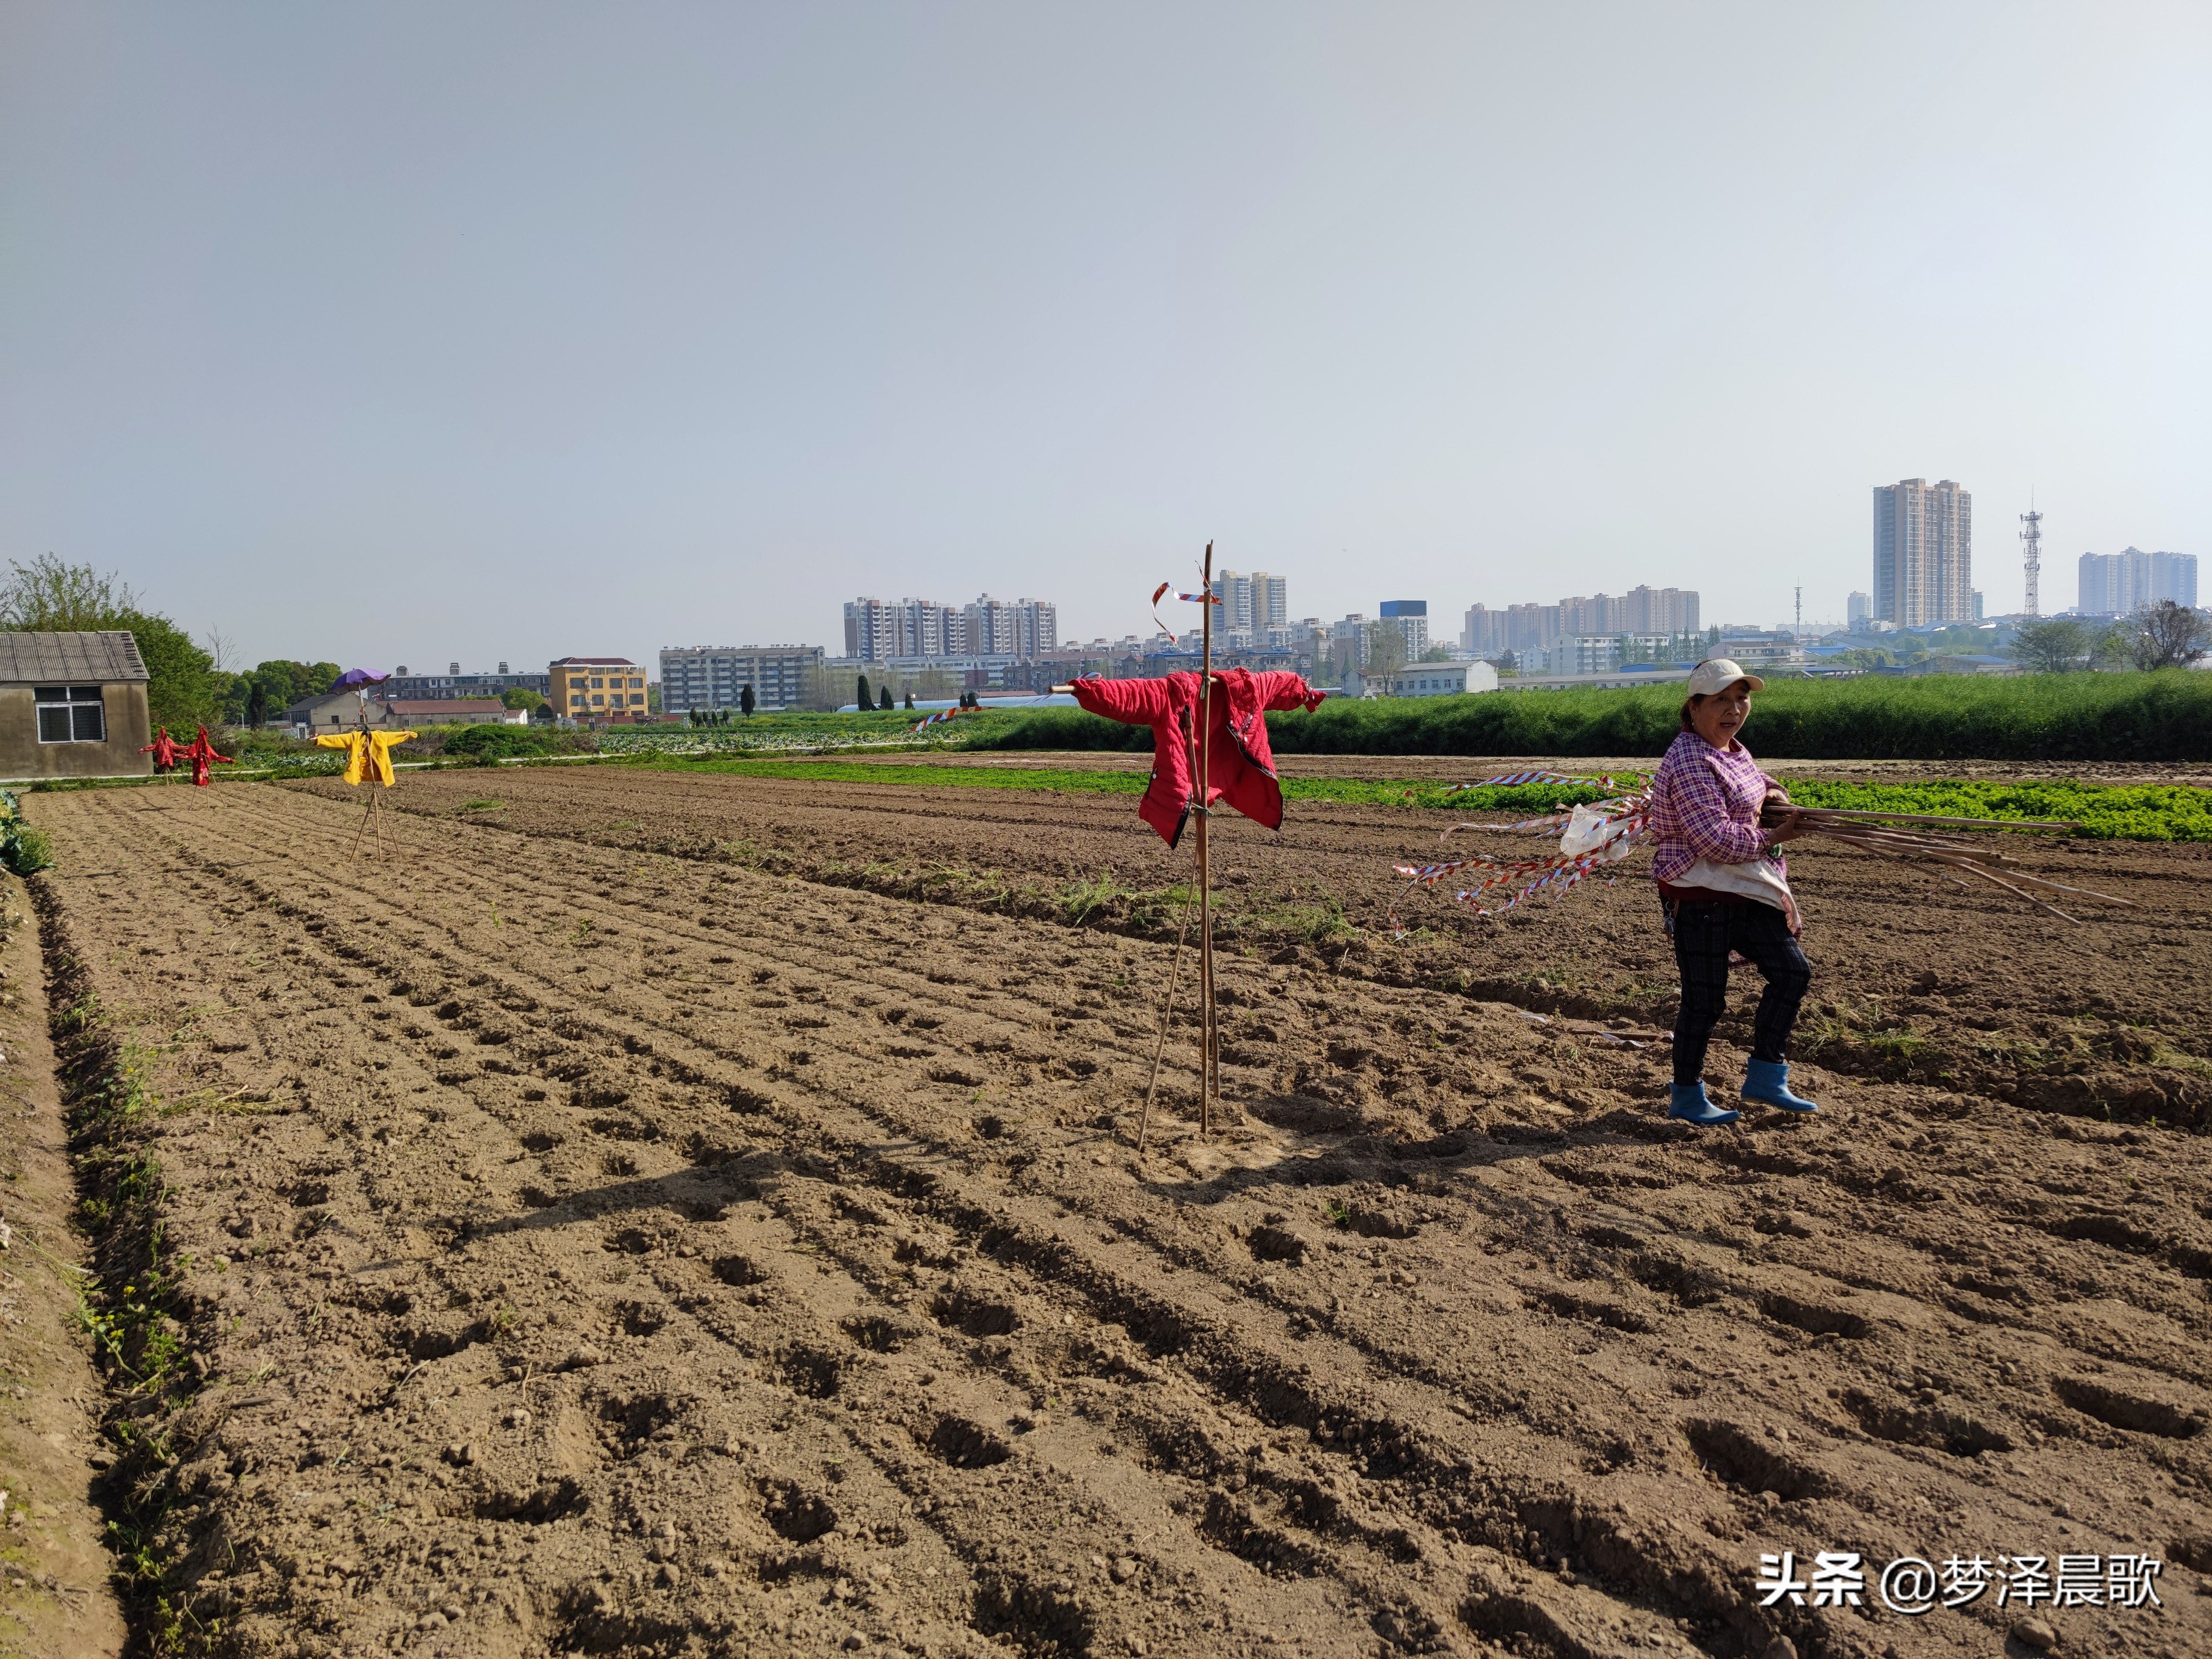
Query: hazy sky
{"points": [[407, 332]]}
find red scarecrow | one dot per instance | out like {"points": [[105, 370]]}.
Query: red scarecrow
{"points": [[165, 750], [200, 752]]}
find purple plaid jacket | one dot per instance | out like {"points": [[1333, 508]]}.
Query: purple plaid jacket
{"points": [[1706, 804]]}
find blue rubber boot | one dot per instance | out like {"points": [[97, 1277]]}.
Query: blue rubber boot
{"points": [[1767, 1082], [1688, 1102]]}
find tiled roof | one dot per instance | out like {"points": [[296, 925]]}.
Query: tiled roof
{"points": [[57, 658], [593, 662]]}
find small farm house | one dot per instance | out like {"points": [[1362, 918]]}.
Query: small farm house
{"points": [[72, 706]]}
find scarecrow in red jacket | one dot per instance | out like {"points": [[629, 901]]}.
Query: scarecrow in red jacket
{"points": [[1240, 765], [165, 750], [200, 752]]}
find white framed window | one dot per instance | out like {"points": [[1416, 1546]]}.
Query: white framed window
{"points": [[71, 714]]}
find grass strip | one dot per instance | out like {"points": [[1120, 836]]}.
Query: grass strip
{"points": [[2106, 811]]}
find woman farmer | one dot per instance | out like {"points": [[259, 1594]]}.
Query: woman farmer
{"points": [[1724, 889]]}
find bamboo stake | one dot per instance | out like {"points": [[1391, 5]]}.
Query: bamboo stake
{"points": [[1174, 968], [1976, 863], [1209, 1081], [1842, 812]]}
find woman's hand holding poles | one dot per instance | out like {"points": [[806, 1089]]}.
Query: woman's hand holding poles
{"points": [[1779, 819]]}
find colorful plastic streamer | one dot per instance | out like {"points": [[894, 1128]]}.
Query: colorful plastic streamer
{"points": [[1189, 598], [944, 714], [1592, 838]]}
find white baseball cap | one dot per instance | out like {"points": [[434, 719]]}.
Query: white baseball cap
{"points": [[1717, 674]]}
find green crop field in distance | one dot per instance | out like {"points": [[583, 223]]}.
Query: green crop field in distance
{"points": [[2128, 811]]}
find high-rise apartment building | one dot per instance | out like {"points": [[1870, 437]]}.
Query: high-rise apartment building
{"points": [[1641, 611], [1411, 618], [877, 630], [1252, 600], [1669, 610], [1271, 600], [2121, 584], [715, 678], [1856, 609], [1016, 628], [1923, 563], [871, 628]]}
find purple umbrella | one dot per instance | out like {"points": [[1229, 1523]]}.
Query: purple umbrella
{"points": [[354, 676]]}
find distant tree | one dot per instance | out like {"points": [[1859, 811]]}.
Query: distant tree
{"points": [[520, 696], [2057, 646], [865, 698], [886, 701], [257, 704], [1437, 653], [747, 702], [180, 684], [1386, 649], [1863, 657], [2112, 647], [2170, 635], [909, 700], [49, 597]]}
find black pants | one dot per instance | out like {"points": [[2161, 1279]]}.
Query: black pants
{"points": [[1704, 934]]}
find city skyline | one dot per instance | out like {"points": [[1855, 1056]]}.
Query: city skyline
{"points": [[1438, 301]]}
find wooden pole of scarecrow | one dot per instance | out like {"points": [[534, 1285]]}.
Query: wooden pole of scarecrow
{"points": [[1208, 1076], [375, 813]]}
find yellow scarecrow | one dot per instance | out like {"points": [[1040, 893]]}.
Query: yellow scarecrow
{"points": [[369, 754]]}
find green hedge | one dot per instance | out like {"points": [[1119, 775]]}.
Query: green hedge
{"points": [[497, 741], [2166, 716]]}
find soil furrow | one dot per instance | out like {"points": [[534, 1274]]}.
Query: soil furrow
{"points": [[1922, 980], [647, 1252]]}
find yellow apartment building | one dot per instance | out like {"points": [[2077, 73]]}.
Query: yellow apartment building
{"points": [[596, 688]]}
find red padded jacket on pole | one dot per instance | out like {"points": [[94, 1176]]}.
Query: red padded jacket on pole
{"points": [[1240, 764]]}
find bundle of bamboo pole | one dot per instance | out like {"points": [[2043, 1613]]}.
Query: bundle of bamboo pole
{"points": [[1621, 823], [1875, 833]]}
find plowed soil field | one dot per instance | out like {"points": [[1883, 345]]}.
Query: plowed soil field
{"points": [[702, 1215], [1918, 980]]}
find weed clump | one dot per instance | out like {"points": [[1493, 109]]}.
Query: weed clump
{"points": [[22, 849]]}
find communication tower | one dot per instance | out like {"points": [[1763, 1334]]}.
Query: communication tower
{"points": [[2030, 556]]}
